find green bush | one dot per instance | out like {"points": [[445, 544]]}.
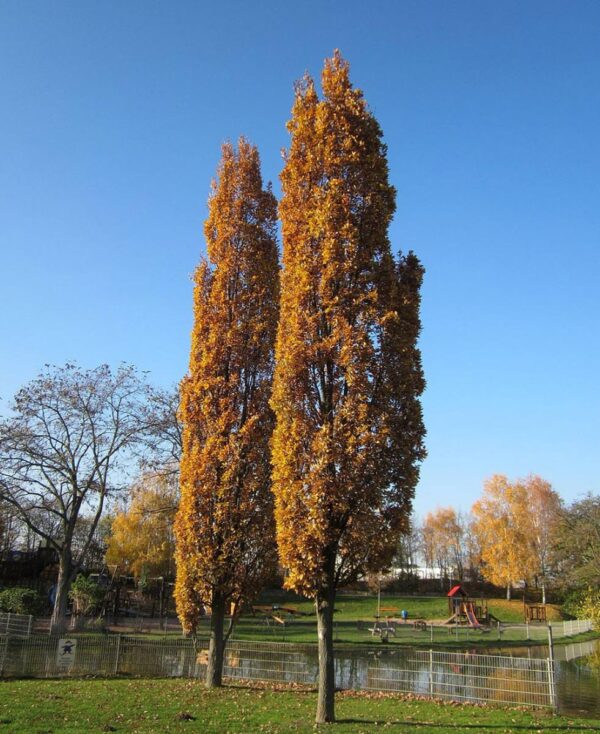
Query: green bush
{"points": [[18, 600], [572, 603], [86, 594], [589, 607]]}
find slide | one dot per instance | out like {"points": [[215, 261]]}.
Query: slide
{"points": [[470, 612]]}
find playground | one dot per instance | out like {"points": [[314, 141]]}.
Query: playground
{"points": [[449, 621]]}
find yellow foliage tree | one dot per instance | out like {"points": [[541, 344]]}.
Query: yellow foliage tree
{"points": [[142, 539], [349, 432], [500, 528], [224, 526]]}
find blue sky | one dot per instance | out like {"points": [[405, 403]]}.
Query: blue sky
{"points": [[111, 119]]}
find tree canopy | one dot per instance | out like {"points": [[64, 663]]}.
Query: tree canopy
{"points": [[62, 456], [349, 432], [224, 526]]}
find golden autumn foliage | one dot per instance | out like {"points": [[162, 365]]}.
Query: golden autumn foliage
{"points": [[224, 525], [142, 539], [513, 522], [348, 377], [348, 374]]}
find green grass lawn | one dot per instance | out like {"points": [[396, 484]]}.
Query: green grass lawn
{"points": [[156, 706], [353, 608]]}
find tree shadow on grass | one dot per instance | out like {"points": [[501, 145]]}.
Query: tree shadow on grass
{"points": [[474, 727]]}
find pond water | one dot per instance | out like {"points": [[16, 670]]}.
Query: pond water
{"points": [[577, 682]]}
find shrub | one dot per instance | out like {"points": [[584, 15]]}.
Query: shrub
{"points": [[589, 607], [572, 603], [86, 594], [18, 600]]}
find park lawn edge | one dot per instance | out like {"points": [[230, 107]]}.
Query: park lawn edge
{"points": [[149, 706]]}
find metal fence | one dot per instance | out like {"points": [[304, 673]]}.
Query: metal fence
{"points": [[437, 634], [572, 627], [15, 625], [464, 677], [445, 675]]}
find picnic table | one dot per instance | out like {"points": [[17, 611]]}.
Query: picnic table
{"points": [[275, 613], [384, 626]]}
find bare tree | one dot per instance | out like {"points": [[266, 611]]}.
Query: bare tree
{"points": [[64, 452], [163, 437]]}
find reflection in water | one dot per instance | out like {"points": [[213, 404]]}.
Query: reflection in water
{"points": [[404, 669], [460, 676], [577, 681]]}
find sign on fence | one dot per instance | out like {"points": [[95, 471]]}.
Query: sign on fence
{"points": [[65, 654]]}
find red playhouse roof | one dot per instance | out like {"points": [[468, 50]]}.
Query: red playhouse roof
{"points": [[458, 589]]}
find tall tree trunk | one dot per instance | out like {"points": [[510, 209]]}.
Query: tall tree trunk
{"points": [[325, 603], [58, 621], [543, 591], [508, 591], [216, 646]]}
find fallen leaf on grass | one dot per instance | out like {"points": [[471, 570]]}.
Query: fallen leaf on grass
{"points": [[185, 716]]}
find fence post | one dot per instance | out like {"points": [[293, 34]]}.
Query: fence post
{"points": [[118, 650], [8, 624], [431, 673], [431, 628], [29, 626], [551, 686], [3, 656], [527, 628], [550, 643]]}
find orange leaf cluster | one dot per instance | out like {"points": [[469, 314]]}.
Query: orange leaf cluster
{"points": [[348, 375], [224, 526]]}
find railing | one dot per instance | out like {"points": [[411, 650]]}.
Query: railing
{"points": [[433, 674], [438, 634], [463, 677], [15, 625]]}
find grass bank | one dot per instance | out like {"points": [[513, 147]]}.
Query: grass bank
{"points": [[156, 706], [355, 615]]}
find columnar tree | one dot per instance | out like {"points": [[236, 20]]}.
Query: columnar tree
{"points": [[62, 455], [348, 375], [224, 527]]}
